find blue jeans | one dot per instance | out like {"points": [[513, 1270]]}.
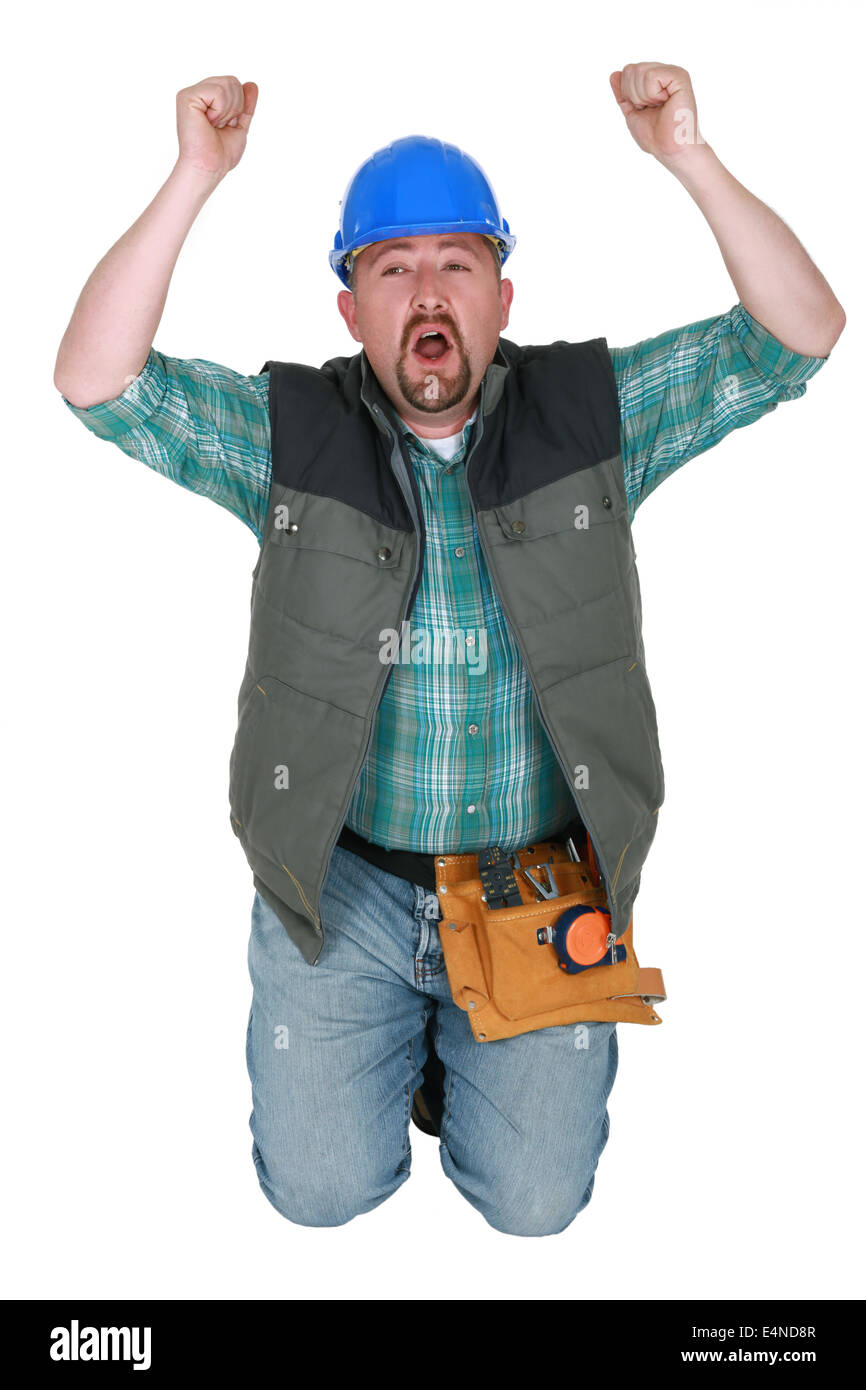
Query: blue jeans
{"points": [[335, 1050]]}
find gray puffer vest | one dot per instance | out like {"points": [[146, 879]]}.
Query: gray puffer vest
{"points": [[341, 559]]}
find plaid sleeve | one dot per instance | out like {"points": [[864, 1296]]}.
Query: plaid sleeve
{"points": [[202, 425], [679, 394]]}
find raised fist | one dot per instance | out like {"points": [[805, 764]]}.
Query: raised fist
{"points": [[213, 117]]}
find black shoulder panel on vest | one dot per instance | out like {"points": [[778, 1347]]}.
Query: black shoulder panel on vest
{"points": [[558, 412], [561, 394], [324, 441]]}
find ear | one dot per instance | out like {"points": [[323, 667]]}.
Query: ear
{"points": [[507, 294], [346, 306]]}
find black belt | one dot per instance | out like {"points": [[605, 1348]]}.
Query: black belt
{"points": [[421, 868]]}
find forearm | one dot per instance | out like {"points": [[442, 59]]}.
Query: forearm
{"points": [[118, 311], [775, 279]]}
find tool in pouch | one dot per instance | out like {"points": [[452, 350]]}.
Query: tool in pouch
{"points": [[527, 942]]}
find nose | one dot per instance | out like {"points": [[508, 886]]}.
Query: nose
{"points": [[429, 296]]}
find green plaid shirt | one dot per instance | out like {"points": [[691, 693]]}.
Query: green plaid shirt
{"points": [[458, 759]]}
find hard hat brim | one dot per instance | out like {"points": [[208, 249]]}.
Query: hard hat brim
{"points": [[337, 256]]}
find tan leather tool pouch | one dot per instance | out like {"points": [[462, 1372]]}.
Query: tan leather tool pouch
{"points": [[508, 983]]}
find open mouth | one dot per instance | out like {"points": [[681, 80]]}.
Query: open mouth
{"points": [[431, 345]]}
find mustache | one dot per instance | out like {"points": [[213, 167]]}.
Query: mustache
{"points": [[438, 323]]}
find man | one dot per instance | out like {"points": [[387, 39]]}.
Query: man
{"points": [[432, 485]]}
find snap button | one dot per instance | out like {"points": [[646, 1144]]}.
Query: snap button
{"points": [[383, 552], [292, 526], [605, 501], [518, 527], [460, 551]]}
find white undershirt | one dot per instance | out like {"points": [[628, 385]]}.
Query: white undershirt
{"points": [[447, 447]]}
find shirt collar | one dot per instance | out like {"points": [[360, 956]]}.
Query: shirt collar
{"points": [[423, 450]]}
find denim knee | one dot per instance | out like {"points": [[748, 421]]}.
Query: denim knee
{"points": [[540, 1210], [522, 1196], [534, 1213], [330, 1198]]}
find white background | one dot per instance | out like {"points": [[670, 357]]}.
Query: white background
{"points": [[734, 1164]]}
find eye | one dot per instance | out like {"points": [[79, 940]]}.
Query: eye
{"points": [[451, 265]]}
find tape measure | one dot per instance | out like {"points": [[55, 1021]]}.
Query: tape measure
{"points": [[582, 938]]}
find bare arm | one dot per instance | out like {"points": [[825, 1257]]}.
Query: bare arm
{"points": [[775, 279], [118, 311]]}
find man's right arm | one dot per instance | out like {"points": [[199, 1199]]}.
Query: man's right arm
{"points": [[198, 423], [203, 425], [117, 313]]}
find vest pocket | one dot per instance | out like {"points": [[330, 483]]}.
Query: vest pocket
{"points": [[303, 522], [581, 501], [627, 868], [563, 548], [605, 719], [337, 575], [239, 762], [637, 671], [287, 781]]}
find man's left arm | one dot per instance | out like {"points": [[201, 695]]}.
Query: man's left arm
{"points": [[682, 392], [776, 281]]}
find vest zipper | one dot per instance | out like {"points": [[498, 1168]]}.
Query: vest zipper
{"points": [[402, 475], [518, 640]]}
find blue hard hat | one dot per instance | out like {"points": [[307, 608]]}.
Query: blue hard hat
{"points": [[416, 187]]}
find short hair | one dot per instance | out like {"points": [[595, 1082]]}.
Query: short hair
{"points": [[495, 249]]}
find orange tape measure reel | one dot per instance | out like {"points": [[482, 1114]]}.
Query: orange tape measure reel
{"points": [[582, 938]]}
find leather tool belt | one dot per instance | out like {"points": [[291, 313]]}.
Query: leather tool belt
{"points": [[502, 969]]}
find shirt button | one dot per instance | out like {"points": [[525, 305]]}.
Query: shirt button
{"points": [[460, 551], [470, 640], [605, 501], [449, 469], [471, 809], [473, 728]]}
